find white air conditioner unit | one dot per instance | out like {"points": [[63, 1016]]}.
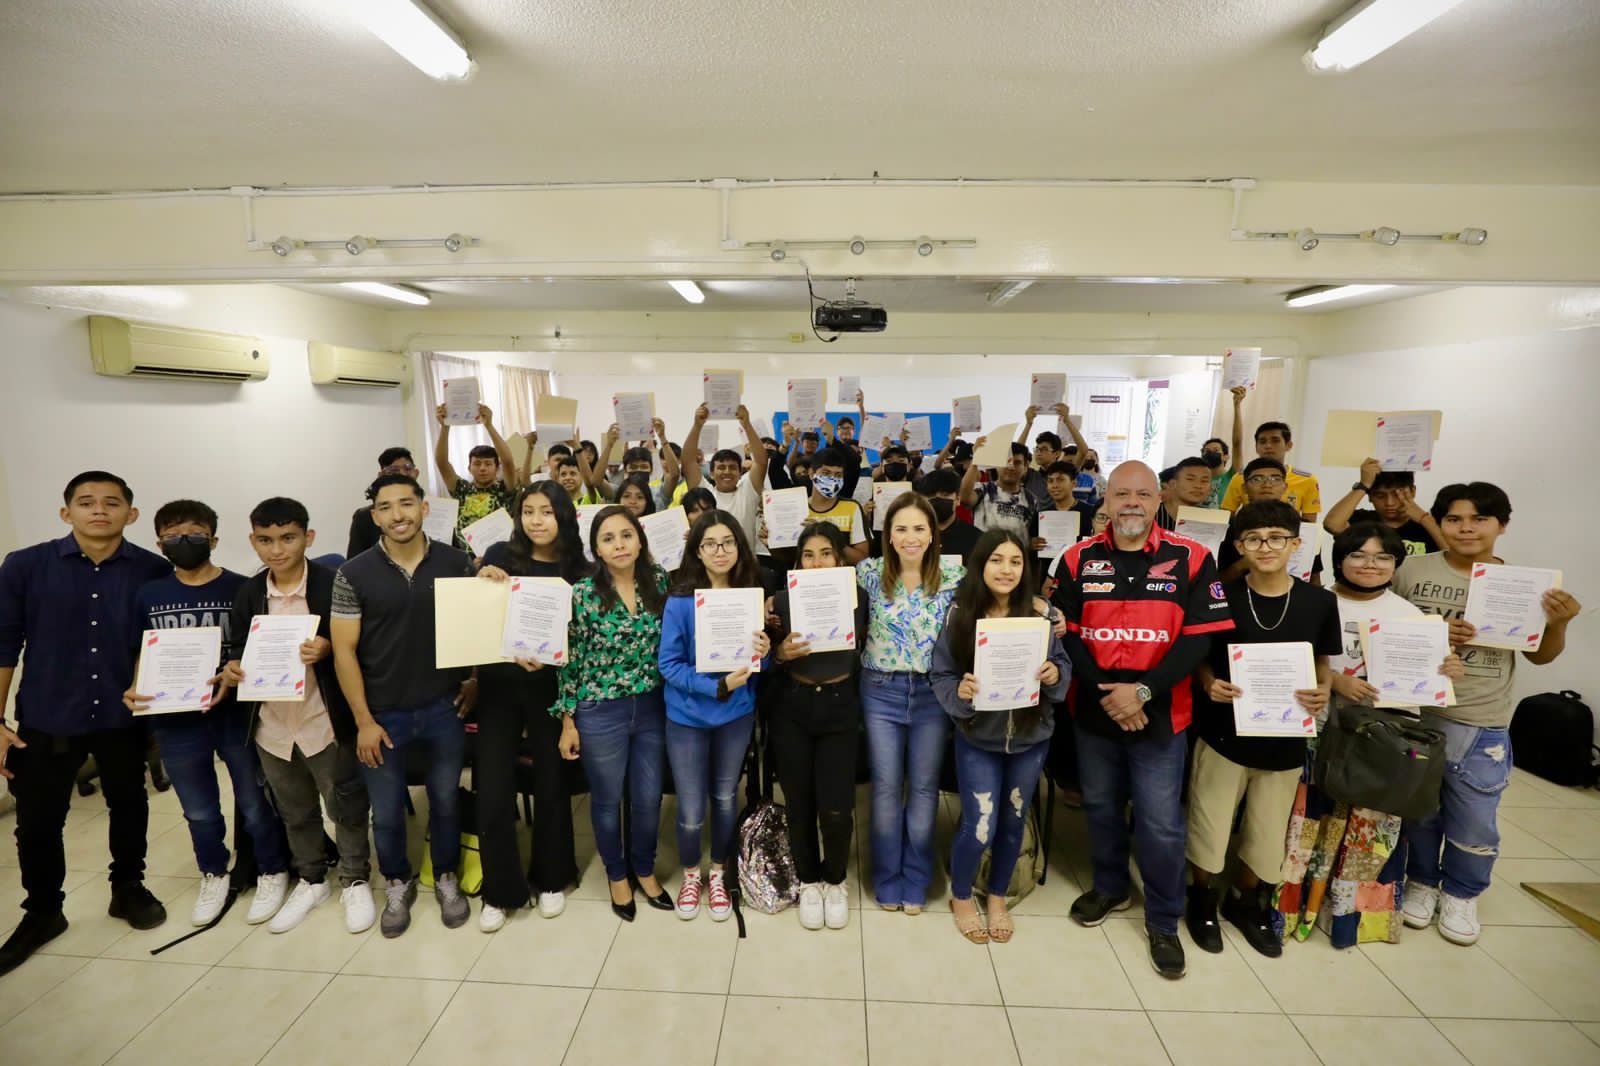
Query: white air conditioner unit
{"points": [[132, 349], [332, 365]]}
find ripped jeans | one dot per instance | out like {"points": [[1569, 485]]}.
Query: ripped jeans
{"points": [[1477, 771], [996, 789]]}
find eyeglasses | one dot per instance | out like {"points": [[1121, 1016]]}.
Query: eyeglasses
{"points": [[1265, 479], [1366, 559], [719, 547], [197, 539], [1253, 543]]}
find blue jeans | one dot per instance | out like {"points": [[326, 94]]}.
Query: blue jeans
{"points": [[621, 741], [1150, 772], [906, 731], [189, 747], [996, 788], [435, 726], [707, 760], [1477, 769]]}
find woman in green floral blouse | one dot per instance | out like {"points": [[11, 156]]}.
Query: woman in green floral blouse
{"points": [[611, 706]]}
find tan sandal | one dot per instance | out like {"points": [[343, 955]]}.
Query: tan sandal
{"points": [[971, 927], [1000, 929]]}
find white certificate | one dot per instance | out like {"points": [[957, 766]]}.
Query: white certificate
{"points": [[919, 433], [863, 492], [271, 661], [822, 607], [1403, 658], [710, 438], [1506, 604], [1305, 556], [460, 401], [1006, 658], [1240, 366], [664, 532], [1060, 531], [587, 512], [808, 400], [1405, 440], [726, 622], [537, 612], [723, 392], [786, 511], [634, 413], [883, 494], [488, 531], [176, 667], [1206, 525], [877, 427], [555, 434], [1268, 676], [849, 390], [440, 522], [967, 414], [1047, 390]]}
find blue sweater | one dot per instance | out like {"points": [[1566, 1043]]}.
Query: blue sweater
{"points": [[692, 696]]}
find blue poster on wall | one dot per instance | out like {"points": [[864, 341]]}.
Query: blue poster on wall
{"points": [[938, 424]]}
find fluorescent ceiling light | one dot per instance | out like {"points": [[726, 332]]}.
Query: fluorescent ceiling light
{"points": [[404, 293], [1007, 291], [417, 34], [689, 291], [1114, 280], [1369, 28], [1323, 294]]}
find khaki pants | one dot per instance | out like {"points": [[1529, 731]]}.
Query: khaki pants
{"points": [[1216, 786]]}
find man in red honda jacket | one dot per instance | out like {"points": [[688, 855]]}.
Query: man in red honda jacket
{"points": [[1140, 605]]}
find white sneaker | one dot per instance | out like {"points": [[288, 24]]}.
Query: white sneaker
{"points": [[552, 903], [1458, 920], [490, 918], [213, 894], [811, 906], [836, 905], [299, 904], [359, 911], [1419, 904], [270, 890]]}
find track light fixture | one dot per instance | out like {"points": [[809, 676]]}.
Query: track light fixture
{"points": [[454, 243], [779, 253], [924, 246], [359, 243], [1307, 239], [858, 246], [284, 245], [1387, 236]]}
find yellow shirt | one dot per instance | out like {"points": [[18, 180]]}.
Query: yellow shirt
{"points": [[1303, 493], [847, 515]]}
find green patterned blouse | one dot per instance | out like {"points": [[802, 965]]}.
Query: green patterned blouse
{"points": [[612, 653]]}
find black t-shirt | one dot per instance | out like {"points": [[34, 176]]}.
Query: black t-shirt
{"points": [[821, 665], [959, 539], [1310, 615], [1417, 539]]}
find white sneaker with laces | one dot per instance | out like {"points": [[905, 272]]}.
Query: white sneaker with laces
{"points": [[836, 905], [490, 918], [359, 910], [718, 903], [1419, 904], [689, 896], [811, 906], [1458, 920], [300, 903], [213, 894], [552, 903], [270, 892]]}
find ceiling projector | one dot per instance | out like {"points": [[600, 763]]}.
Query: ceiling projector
{"points": [[849, 315]]}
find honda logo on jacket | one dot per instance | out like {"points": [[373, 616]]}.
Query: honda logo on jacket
{"points": [[1133, 636]]}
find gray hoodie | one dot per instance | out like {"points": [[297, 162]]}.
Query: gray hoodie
{"points": [[996, 730]]}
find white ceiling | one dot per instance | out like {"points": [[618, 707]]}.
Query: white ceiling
{"points": [[119, 94]]}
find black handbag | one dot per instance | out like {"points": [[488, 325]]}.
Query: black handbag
{"points": [[1380, 759]]}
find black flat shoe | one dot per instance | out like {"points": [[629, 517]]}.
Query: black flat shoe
{"points": [[661, 902], [626, 911]]}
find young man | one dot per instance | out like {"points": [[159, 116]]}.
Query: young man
{"points": [[1058, 482], [68, 604], [306, 748], [199, 593], [552, 461], [363, 534], [943, 488], [1264, 480], [639, 460], [569, 475], [737, 492], [1394, 503], [1471, 519], [384, 653], [1047, 451], [1190, 485], [1223, 459], [1001, 504], [826, 504], [1268, 607], [1273, 441], [487, 491]]}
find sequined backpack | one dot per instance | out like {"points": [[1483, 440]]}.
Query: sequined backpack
{"points": [[767, 878]]}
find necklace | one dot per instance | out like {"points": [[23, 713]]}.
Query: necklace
{"points": [[1250, 597]]}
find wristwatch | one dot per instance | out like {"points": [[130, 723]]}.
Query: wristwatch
{"points": [[1359, 487], [1142, 691]]}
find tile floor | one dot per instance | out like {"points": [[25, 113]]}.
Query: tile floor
{"points": [[889, 989]]}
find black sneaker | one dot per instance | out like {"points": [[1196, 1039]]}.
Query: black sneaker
{"points": [[1091, 908], [1251, 913], [1166, 954], [31, 934], [1200, 915], [137, 906]]}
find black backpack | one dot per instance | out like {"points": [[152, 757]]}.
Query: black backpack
{"points": [[1552, 735]]}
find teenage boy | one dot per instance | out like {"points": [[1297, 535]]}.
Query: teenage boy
{"points": [[306, 748], [942, 486], [1268, 607], [200, 593], [737, 492], [363, 534], [1001, 503], [1471, 519], [827, 505], [1059, 481], [1264, 480], [1223, 459], [1274, 441], [552, 461], [1190, 484], [383, 653], [1394, 503], [639, 460], [69, 604], [487, 491], [1047, 451]]}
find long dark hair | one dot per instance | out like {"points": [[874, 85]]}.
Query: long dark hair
{"points": [[642, 483], [644, 567], [972, 603], [569, 543], [746, 573]]}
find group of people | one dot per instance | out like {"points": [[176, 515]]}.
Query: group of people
{"points": [[1139, 618]]}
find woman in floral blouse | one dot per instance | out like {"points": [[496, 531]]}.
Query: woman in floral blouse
{"points": [[611, 706], [909, 592]]}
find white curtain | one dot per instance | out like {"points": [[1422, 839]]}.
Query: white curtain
{"points": [[520, 391], [434, 369]]}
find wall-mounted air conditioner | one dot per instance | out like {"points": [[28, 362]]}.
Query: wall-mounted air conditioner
{"points": [[332, 365], [132, 349]]}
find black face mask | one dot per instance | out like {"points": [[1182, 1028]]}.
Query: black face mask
{"points": [[1213, 459], [943, 509], [895, 471], [185, 554]]}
